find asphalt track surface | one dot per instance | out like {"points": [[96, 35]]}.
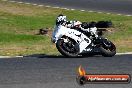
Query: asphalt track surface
{"points": [[114, 6], [42, 71]]}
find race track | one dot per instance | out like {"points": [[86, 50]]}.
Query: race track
{"points": [[41, 71], [114, 6]]}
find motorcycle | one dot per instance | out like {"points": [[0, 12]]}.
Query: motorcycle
{"points": [[74, 42]]}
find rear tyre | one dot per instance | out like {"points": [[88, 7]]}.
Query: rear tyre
{"points": [[68, 49]]}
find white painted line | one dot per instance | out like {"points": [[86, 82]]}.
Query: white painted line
{"points": [[4, 0], [100, 12], [108, 13], [128, 15], [19, 56], [34, 4], [72, 9], [67, 9], [119, 14], [47, 6], [27, 3], [90, 11], [12, 1], [56, 7], [127, 53], [63, 8], [40, 5], [20, 2], [11, 56], [82, 10]]}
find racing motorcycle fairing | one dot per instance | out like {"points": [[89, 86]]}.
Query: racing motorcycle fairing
{"points": [[82, 40]]}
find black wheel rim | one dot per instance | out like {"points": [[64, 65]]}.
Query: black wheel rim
{"points": [[68, 47]]}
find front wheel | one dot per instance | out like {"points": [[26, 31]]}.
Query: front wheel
{"points": [[69, 48], [108, 49]]}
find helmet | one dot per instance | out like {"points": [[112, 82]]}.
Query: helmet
{"points": [[60, 19]]}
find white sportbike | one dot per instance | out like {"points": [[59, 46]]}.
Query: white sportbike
{"points": [[73, 42]]}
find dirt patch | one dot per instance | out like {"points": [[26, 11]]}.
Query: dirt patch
{"points": [[124, 45]]}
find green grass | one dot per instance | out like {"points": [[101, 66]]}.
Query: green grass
{"points": [[19, 25]]}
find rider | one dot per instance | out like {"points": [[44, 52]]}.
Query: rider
{"points": [[61, 20]]}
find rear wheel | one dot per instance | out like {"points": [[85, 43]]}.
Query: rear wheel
{"points": [[108, 49], [68, 47]]}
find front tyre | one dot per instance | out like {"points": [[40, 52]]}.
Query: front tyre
{"points": [[68, 49], [108, 49]]}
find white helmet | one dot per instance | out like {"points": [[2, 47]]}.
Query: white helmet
{"points": [[60, 19]]}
